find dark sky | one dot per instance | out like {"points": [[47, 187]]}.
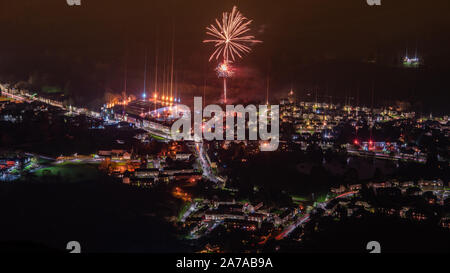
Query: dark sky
{"points": [[308, 44]]}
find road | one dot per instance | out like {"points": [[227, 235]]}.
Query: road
{"points": [[206, 167], [293, 226], [306, 218]]}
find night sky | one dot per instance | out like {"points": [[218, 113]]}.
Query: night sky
{"points": [[310, 45]]}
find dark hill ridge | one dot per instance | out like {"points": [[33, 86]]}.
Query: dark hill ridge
{"points": [[102, 216]]}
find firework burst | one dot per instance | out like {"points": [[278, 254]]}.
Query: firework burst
{"points": [[230, 36]]}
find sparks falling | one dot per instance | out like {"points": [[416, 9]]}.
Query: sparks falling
{"points": [[231, 37]]}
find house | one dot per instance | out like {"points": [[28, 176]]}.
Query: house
{"points": [[146, 173], [115, 154]]}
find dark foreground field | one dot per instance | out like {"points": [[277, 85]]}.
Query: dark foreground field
{"points": [[394, 236], [101, 216]]}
